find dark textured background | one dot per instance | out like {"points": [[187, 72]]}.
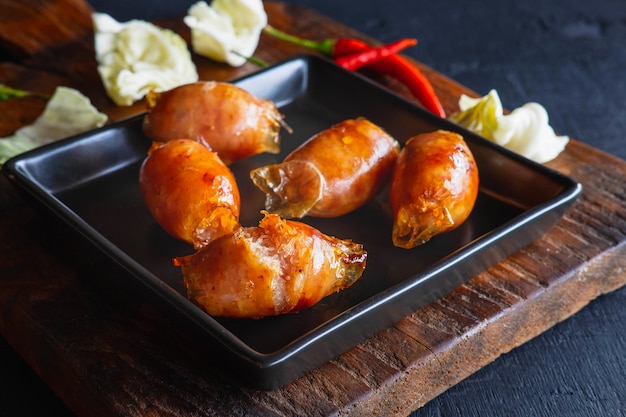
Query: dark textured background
{"points": [[570, 56]]}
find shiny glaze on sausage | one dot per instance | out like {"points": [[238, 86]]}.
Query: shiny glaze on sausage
{"points": [[222, 116], [433, 187], [190, 192], [332, 173], [278, 267]]}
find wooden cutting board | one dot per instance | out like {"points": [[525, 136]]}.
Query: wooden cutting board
{"points": [[73, 316]]}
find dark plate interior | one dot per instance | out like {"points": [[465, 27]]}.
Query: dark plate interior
{"points": [[91, 182]]}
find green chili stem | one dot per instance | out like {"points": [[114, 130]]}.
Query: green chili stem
{"points": [[325, 46], [253, 60], [7, 93]]}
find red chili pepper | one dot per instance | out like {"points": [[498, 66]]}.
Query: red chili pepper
{"points": [[347, 46], [403, 70], [356, 60], [394, 66]]}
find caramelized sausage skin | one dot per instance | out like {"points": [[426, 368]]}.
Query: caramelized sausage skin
{"points": [[222, 116], [279, 267], [332, 173], [433, 188], [190, 192]]}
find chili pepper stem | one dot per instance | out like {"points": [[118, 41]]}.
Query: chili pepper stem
{"points": [[7, 93], [253, 60], [325, 46]]}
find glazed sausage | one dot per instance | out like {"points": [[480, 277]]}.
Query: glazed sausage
{"points": [[332, 173], [433, 187], [281, 266], [190, 192], [222, 116]]}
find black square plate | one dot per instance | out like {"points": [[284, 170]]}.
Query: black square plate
{"points": [[91, 182]]}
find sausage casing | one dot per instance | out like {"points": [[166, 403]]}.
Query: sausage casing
{"points": [[332, 173], [222, 116], [433, 187], [190, 192], [281, 266]]}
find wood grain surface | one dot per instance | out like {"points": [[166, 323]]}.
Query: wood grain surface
{"points": [[73, 316]]}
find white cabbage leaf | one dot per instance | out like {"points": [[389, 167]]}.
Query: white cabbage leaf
{"points": [[67, 113], [526, 130], [136, 56], [227, 30]]}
